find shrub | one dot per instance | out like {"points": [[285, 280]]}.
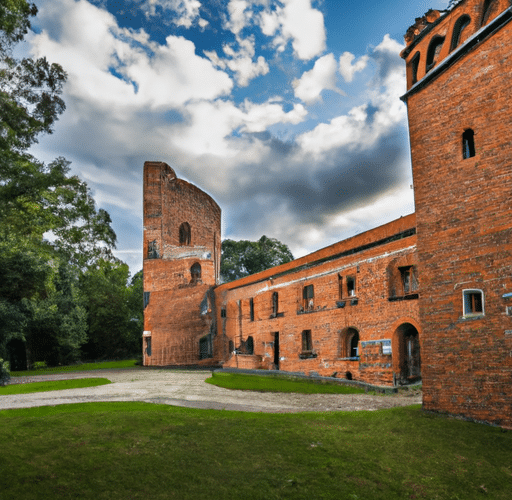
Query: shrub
{"points": [[5, 375]]}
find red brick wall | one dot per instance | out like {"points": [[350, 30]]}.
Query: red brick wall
{"points": [[464, 221], [374, 316], [179, 312]]}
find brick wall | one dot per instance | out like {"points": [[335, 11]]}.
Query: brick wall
{"points": [[464, 215]]}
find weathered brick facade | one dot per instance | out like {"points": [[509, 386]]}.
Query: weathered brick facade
{"points": [[360, 309], [460, 121], [181, 265]]}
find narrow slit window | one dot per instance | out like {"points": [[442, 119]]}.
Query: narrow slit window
{"points": [[275, 304], [434, 50], [351, 286], [468, 144], [251, 309], [340, 287], [185, 234], [415, 63], [460, 25], [308, 294]]}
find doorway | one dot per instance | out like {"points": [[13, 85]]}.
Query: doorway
{"points": [[409, 353]]}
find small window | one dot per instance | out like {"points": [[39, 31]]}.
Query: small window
{"points": [[353, 345], [340, 286], [460, 25], [223, 312], [145, 298], [473, 302], [308, 294], [434, 50], [351, 286], [148, 346], [152, 250], [468, 144], [195, 273], [251, 309], [249, 345], [307, 344], [231, 346], [185, 234], [275, 304], [415, 63]]}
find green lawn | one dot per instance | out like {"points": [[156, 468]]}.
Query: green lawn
{"points": [[105, 365], [266, 383], [52, 385], [140, 451]]}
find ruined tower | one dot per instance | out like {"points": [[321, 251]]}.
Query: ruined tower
{"points": [[181, 265], [459, 100]]}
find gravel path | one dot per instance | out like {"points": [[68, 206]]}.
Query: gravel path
{"points": [[187, 388]]}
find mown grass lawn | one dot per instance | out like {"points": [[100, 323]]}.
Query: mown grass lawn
{"points": [[52, 385], [138, 450], [103, 365], [266, 383]]}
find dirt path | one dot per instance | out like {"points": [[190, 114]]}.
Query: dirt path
{"points": [[188, 388]]}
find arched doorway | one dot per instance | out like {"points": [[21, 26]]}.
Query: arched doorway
{"points": [[409, 353], [349, 343]]}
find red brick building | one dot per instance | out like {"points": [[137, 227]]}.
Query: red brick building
{"points": [[426, 296], [459, 101]]}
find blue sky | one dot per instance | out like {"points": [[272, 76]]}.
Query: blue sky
{"points": [[286, 112]]}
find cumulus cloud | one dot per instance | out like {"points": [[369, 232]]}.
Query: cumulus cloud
{"points": [[186, 10], [347, 69], [322, 77], [297, 21]]}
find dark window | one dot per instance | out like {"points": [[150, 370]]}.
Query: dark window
{"points": [[433, 51], [223, 312], [460, 25], [307, 344], [468, 144], [145, 299], [351, 286], [250, 345], [308, 294], [195, 273], [340, 286], [349, 343], [152, 250], [148, 346], [409, 281], [473, 301], [353, 345], [231, 346], [415, 62], [275, 304], [185, 234], [205, 347], [251, 309], [489, 7]]}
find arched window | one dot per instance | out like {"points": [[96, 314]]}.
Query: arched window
{"points": [[353, 342], [349, 346], [415, 62], [460, 25], [468, 144], [195, 272], [185, 234], [433, 51], [250, 345]]}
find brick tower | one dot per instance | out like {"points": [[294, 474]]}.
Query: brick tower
{"points": [[181, 265], [459, 100]]}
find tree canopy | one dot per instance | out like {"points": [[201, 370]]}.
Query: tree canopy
{"points": [[242, 258]]}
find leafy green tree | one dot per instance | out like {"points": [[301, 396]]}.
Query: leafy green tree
{"points": [[242, 258]]}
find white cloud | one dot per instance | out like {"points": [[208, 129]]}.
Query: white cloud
{"points": [[187, 10], [322, 77], [239, 15], [299, 22], [347, 69]]}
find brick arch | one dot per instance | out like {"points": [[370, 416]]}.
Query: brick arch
{"points": [[402, 330], [349, 340]]}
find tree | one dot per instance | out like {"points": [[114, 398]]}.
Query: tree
{"points": [[242, 258]]}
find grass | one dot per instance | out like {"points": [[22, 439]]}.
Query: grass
{"points": [[105, 365], [139, 451], [52, 385], [279, 384]]}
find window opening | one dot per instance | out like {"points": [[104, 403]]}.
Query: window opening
{"points": [[249, 345], [473, 302], [340, 286], [275, 304], [145, 299], [195, 272], [487, 11], [307, 344], [460, 25], [251, 309], [468, 144], [185, 234], [415, 62], [148, 346], [223, 312], [308, 294], [231, 346], [351, 286], [433, 52], [152, 250], [353, 343]]}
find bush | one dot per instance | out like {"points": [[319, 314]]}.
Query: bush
{"points": [[39, 365], [5, 375]]}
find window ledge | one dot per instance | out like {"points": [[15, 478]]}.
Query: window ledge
{"points": [[409, 296], [308, 354], [472, 317], [277, 315], [354, 358]]}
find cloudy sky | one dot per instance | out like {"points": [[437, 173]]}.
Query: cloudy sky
{"points": [[286, 112]]}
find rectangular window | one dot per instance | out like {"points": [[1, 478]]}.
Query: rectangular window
{"points": [[308, 294], [152, 250], [351, 286], [307, 344], [406, 278], [473, 302], [148, 346], [146, 299], [275, 304], [223, 312], [251, 309], [340, 286]]}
